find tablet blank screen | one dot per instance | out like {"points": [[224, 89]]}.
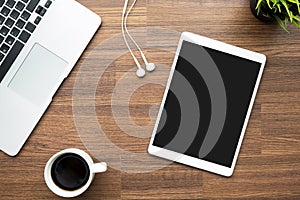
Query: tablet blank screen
{"points": [[207, 104]]}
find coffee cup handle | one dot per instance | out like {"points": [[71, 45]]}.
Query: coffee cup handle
{"points": [[99, 167]]}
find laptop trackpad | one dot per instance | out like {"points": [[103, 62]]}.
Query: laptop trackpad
{"points": [[39, 75]]}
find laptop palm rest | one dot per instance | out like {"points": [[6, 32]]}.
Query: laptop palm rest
{"points": [[39, 75]]}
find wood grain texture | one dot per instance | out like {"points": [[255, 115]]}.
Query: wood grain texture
{"points": [[269, 162]]}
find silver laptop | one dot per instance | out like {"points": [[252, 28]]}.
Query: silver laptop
{"points": [[40, 42]]}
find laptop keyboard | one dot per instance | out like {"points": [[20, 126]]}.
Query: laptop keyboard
{"points": [[18, 20]]}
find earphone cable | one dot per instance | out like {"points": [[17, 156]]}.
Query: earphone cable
{"points": [[124, 36], [129, 35]]}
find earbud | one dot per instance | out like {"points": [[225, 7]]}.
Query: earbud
{"points": [[150, 67], [140, 73]]}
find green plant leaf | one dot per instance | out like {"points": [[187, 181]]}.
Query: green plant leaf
{"points": [[298, 5], [258, 4], [286, 20], [287, 8], [296, 18], [258, 10], [296, 24], [279, 8], [281, 23], [268, 2], [275, 2]]}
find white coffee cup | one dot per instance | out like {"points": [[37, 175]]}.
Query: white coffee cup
{"points": [[93, 169]]}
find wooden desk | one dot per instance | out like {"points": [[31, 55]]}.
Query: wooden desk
{"points": [[269, 162]]}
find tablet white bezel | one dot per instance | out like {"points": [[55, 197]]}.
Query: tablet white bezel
{"points": [[196, 162]]}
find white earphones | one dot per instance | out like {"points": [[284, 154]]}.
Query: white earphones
{"points": [[149, 66]]}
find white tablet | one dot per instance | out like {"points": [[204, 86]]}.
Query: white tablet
{"points": [[207, 104]]}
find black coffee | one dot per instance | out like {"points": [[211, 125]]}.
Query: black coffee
{"points": [[70, 172]]}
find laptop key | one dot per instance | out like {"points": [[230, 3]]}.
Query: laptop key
{"points": [[10, 58], [30, 27], [1, 39], [38, 9], [32, 4], [11, 3], [25, 15], [14, 14], [48, 4], [9, 22], [10, 40], [43, 11], [37, 20], [4, 30], [2, 2], [4, 48], [20, 24], [24, 36], [20, 6], [5, 11], [14, 32]]}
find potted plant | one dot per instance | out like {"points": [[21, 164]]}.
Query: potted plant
{"points": [[282, 11]]}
